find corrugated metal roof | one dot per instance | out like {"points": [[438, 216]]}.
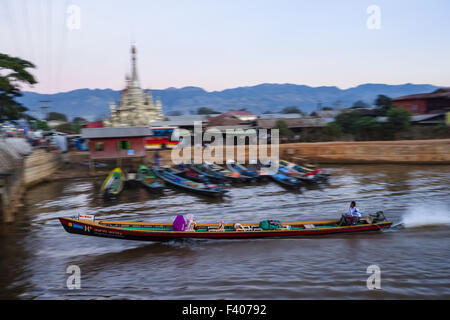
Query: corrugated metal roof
{"points": [[116, 132], [280, 115], [294, 123]]}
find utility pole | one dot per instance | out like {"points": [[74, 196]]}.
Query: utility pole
{"points": [[45, 105]]}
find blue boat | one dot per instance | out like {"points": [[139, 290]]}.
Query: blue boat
{"points": [[286, 180], [211, 190], [238, 168]]}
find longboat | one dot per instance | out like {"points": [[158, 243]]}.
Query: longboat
{"points": [[114, 183], [189, 173], [229, 175], [211, 190], [149, 180], [145, 231], [286, 180], [210, 174], [236, 167], [318, 175]]}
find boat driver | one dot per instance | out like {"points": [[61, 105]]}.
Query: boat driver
{"points": [[352, 217]]}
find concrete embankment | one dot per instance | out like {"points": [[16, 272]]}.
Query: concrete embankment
{"points": [[12, 186], [21, 167], [40, 166], [400, 152]]}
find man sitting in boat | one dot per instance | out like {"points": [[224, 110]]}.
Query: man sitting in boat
{"points": [[352, 217]]}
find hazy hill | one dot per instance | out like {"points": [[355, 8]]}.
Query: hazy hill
{"points": [[94, 103]]}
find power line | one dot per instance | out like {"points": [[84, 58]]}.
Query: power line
{"points": [[26, 19], [62, 48], [50, 43], [14, 37]]}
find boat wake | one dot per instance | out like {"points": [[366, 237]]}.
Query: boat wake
{"points": [[430, 215]]}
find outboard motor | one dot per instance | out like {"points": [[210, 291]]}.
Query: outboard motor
{"points": [[377, 217]]}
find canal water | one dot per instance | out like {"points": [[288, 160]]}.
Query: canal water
{"points": [[413, 258]]}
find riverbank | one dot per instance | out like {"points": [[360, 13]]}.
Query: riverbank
{"points": [[353, 152], [22, 168], [44, 166], [371, 152]]}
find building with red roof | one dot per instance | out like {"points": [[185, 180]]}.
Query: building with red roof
{"points": [[434, 102]]}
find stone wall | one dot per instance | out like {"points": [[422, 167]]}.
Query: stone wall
{"points": [[406, 151], [40, 166]]}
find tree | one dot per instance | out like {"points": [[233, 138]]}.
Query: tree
{"points": [[13, 73], [327, 109], [347, 120], [174, 113], [332, 129], [292, 109], [79, 120], [40, 125], [283, 127], [205, 110], [359, 104], [399, 119], [383, 103], [367, 128], [56, 116]]}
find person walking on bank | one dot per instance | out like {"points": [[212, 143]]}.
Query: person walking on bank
{"points": [[157, 159]]}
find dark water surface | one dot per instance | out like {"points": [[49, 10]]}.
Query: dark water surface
{"points": [[414, 261]]}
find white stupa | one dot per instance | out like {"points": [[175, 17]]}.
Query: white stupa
{"points": [[136, 107]]}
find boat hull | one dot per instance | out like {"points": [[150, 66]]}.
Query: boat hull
{"points": [[213, 192], [91, 228], [111, 186]]}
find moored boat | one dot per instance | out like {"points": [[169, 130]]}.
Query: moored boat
{"points": [[211, 190], [282, 179], [210, 174], [236, 167], [149, 180], [145, 231], [318, 174], [113, 185], [189, 173], [229, 175], [286, 180]]}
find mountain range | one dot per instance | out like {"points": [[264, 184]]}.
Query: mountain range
{"points": [[93, 104]]}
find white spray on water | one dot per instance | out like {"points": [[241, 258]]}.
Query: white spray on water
{"points": [[426, 215]]}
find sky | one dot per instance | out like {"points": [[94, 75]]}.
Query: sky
{"points": [[220, 44]]}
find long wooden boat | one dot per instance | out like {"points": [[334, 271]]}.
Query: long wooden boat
{"points": [[210, 174], [318, 174], [229, 175], [211, 190], [236, 167], [149, 180], [286, 180], [113, 185], [164, 231], [188, 173], [301, 176]]}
